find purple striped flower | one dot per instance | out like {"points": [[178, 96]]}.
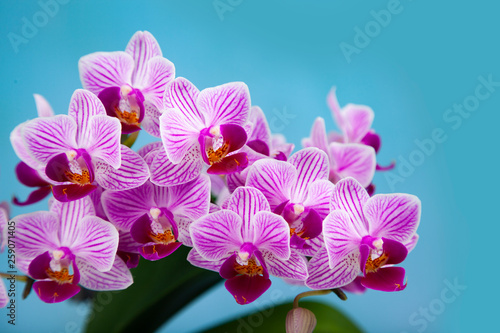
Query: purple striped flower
{"points": [[355, 122], [68, 246], [365, 236], [246, 243], [202, 127], [346, 159], [157, 218], [130, 84], [81, 150], [25, 174], [298, 190]]}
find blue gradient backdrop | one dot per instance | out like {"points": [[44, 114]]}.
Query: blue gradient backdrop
{"points": [[428, 57]]}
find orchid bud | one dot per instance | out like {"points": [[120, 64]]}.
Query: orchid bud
{"points": [[300, 320]]}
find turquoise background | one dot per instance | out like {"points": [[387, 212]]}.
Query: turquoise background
{"points": [[426, 59]]}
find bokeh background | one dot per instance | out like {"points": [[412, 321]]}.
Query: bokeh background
{"points": [[411, 69]]}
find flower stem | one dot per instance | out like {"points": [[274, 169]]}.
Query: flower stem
{"points": [[22, 278], [129, 140], [309, 293]]}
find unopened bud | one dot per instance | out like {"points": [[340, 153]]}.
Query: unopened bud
{"points": [[300, 320]]}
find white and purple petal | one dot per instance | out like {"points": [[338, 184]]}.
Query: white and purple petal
{"points": [[123, 208], [246, 202], [102, 70], [133, 172], [311, 165], [117, 278], [274, 179], [350, 196], [165, 173], [271, 233], [323, 276], [217, 235], [352, 160], [225, 104], [395, 216], [294, 267], [36, 233], [142, 47], [96, 242], [47, 137], [42, 106]]}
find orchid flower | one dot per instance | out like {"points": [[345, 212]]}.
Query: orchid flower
{"points": [[346, 159], [68, 246], [365, 236], [355, 122], [261, 144], [158, 218], [130, 84], [197, 127], [25, 174], [246, 243], [81, 150], [298, 190]]}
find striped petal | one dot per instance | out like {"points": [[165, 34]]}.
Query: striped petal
{"points": [[318, 136], [260, 130], [341, 238], [353, 160], [151, 121], [42, 106], [142, 47], [197, 260], [294, 267], [83, 106], [95, 243], [36, 233], [117, 278], [123, 208], [133, 172], [318, 197], [217, 235], [102, 70], [178, 135], [47, 137], [225, 104], [190, 200], [274, 179], [181, 94], [272, 233], [393, 216], [311, 165], [322, 276], [247, 202], [357, 121], [165, 173], [160, 71], [350, 196], [104, 142], [70, 214]]}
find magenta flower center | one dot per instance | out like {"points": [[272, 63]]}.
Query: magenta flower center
{"points": [[128, 110]]}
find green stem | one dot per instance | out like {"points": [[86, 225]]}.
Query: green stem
{"points": [[129, 140]]}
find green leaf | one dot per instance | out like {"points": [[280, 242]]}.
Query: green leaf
{"points": [[329, 320], [159, 291]]}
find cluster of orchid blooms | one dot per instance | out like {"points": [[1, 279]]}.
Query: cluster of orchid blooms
{"points": [[218, 182]]}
